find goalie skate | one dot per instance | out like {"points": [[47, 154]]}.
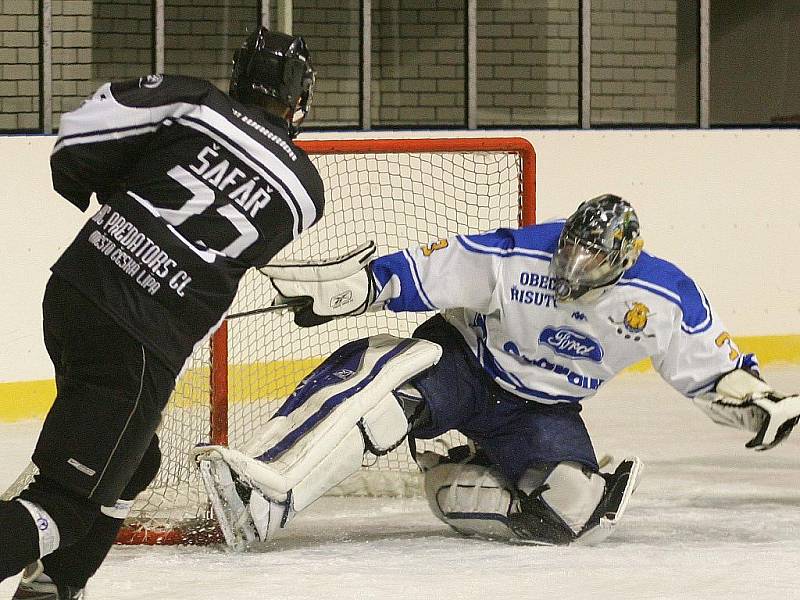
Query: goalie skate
{"points": [[243, 513], [233, 516]]}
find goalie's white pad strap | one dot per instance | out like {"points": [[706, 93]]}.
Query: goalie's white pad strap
{"points": [[472, 499], [572, 494], [318, 271], [381, 425], [314, 441], [343, 460]]}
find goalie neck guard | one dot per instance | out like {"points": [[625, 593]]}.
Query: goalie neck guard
{"points": [[275, 65], [599, 242]]}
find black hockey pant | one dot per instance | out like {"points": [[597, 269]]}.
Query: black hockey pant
{"points": [[98, 441]]}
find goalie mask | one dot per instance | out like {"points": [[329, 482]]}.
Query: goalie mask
{"points": [[276, 65], [599, 242]]}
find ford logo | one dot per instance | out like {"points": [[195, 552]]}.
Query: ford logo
{"points": [[570, 343]]}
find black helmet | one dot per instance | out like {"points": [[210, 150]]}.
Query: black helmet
{"points": [[276, 65], [599, 242]]}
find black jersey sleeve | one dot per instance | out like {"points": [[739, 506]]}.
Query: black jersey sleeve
{"points": [[99, 141]]}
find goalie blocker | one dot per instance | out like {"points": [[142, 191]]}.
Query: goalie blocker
{"points": [[316, 439]]}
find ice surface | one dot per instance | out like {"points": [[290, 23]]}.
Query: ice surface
{"points": [[711, 520]]}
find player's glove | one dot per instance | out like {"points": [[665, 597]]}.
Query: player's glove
{"points": [[319, 291], [743, 401]]}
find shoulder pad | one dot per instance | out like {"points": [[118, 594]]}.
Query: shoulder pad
{"points": [[158, 90]]}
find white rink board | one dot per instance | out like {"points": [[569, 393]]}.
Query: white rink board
{"points": [[723, 204], [710, 521]]}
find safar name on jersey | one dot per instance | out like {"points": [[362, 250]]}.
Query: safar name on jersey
{"points": [[248, 194]]}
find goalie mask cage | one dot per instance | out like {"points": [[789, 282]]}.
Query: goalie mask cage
{"points": [[399, 193]]}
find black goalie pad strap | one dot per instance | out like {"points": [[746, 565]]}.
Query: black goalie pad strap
{"points": [[538, 523]]}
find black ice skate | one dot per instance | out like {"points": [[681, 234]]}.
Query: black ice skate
{"points": [[37, 586]]}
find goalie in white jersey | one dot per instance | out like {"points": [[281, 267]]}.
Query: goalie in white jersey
{"points": [[533, 321]]}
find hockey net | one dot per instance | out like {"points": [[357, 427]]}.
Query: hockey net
{"points": [[399, 193]]}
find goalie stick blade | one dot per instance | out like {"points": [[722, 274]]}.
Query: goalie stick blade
{"points": [[232, 515]]}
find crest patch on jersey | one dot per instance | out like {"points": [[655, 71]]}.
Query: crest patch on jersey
{"points": [[572, 344], [634, 322]]}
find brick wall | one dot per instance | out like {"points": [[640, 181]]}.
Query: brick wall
{"points": [[202, 35], [418, 63], [19, 64], [332, 30], [72, 55], [634, 57], [527, 57], [123, 38], [527, 62]]}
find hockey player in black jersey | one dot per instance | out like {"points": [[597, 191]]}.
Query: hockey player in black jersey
{"points": [[194, 187]]}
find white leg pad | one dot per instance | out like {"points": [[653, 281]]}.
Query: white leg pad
{"points": [[384, 426], [343, 461], [573, 494], [472, 499], [315, 439], [307, 432], [569, 504]]}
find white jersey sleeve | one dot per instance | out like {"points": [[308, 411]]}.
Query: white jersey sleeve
{"points": [[697, 350], [450, 273]]}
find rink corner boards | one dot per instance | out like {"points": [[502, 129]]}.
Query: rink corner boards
{"points": [[20, 400]]}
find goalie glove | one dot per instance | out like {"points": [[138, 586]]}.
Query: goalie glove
{"points": [[319, 291], [743, 401]]}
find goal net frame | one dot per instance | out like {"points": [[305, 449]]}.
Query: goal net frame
{"points": [[139, 533]]}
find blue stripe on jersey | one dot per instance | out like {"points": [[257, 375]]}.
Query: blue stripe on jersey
{"points": [[706, 387], [397, 264], [418, 280], [664, 279], [749, 362], [471, 246], [493, 368], [534, 241], [330, 404]]}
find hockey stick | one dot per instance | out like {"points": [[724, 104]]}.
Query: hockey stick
{"points": [[282, 306]]}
